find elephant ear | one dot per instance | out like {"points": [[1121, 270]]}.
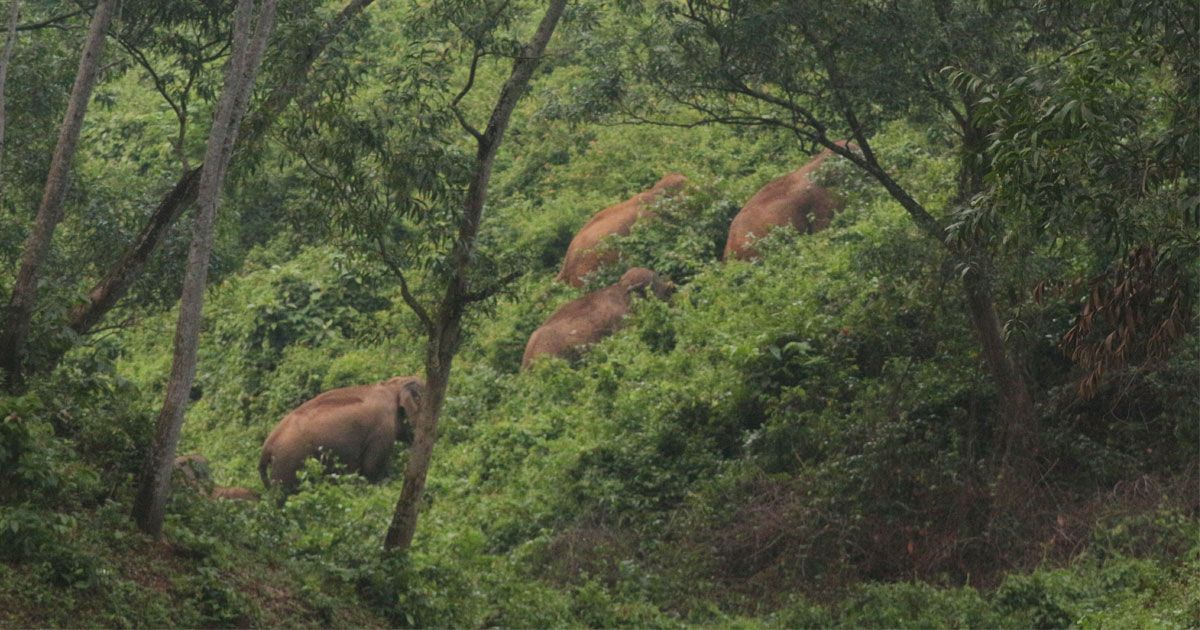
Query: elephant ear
{"points": [[408, 401], [411, 394]]}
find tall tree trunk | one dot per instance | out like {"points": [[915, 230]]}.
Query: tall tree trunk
{"points": [[248, 48], [50, 211], [109, 290], [14, 14], [445, 333]]}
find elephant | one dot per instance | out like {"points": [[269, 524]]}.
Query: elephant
{"points": [[589, 319], [234, 493], [582, 256], [355, 425], [793, 199]]}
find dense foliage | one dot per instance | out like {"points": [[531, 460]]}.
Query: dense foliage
{"points": [[811, 439]]}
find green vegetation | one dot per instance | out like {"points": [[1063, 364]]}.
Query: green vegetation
{"points": [[812, 439]]}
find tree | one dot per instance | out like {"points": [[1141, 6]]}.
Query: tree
{"points": [[190, 36], [250, 34], [293, 75], [14, 14], [19, 313], [831, 71], [1098, 146], [444, 322]]}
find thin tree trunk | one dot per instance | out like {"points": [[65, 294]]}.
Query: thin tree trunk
{"points": [[1016, 453], [50, 211], [1017, 412], [445, 334], [14, 15], [181, 142], [404, 520], [1019, 417], [109, 290], [150, 504]]}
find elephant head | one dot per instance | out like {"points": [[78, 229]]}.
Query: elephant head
{"points": [[639, 280]]}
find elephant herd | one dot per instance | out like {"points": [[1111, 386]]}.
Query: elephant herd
{"points": [[358, 426], [794, 200]]}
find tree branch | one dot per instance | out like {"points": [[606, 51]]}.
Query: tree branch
{"points": [[920, 215], [52, 22], [104, 295], [462, 120], [411, 300], [159, 85]]}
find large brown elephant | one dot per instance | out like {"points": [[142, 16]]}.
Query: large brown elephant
{"points": [[593, 317], [355, 425], [582, 255], [794, 199]]}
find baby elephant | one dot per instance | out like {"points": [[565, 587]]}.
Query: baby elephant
{"points": [[592, 317], [355, 425]]}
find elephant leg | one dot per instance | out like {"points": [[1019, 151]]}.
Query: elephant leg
{"points": [[283, 468], [375, 459]]}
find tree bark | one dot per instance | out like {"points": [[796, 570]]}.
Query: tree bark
{"points": [[437, 379], [445, 335], [50, 211], [116, 283], [248, 48], [14, 15], [1017, 412]]}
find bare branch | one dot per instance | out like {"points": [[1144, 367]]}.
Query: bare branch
{"points": [[159, 84], [462, 121]]}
